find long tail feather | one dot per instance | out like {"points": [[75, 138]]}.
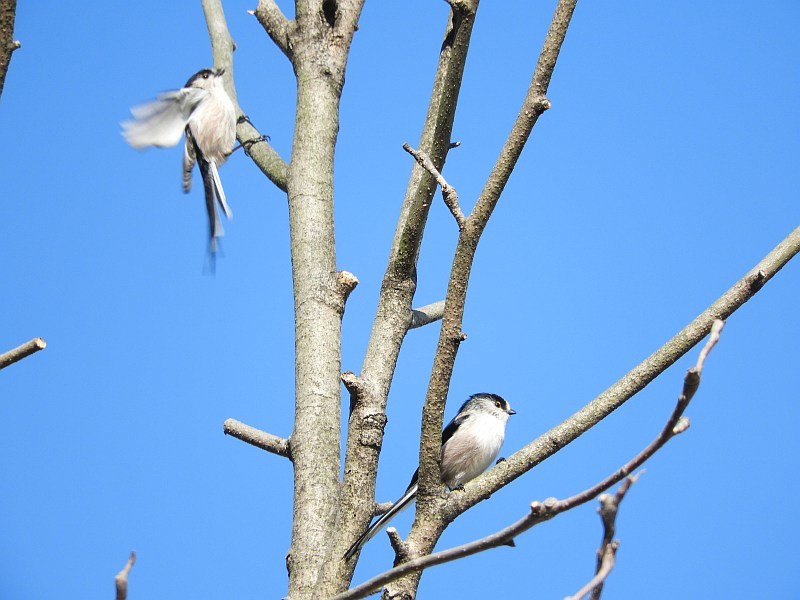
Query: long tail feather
{"points": [[219, 191], [214, 222], [384, 519]]}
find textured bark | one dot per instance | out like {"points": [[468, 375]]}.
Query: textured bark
{"points": [[8, 11], [319, 58], [394, 314], [429, 522], [329, 514]]}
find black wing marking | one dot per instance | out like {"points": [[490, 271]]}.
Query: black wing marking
{"points": [[448, 432]]}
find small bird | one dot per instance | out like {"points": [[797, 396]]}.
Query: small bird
{"points": [[204, 111], [470, 443]]}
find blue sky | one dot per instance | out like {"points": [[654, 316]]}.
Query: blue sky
{"points": [[666, 169]]}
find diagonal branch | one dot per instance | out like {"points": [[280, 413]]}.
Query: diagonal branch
{"points": [[630, 384], [20, 352], [121, 578], [606, 562], [275, 24], [8, 12], [606, 555], [258, 149], [551, 507], [256, 437], [448, 192]]}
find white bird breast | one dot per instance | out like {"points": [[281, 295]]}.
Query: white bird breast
{"points": [[473, 447], [213, 125]]}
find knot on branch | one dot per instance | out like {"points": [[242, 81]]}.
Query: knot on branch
{"points": [[401, 550], [372, 430], [756, 281], [681, 426], [347, 283], [462, 6]]}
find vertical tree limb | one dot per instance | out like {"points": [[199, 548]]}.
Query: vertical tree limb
{"points": [[428, 523], [393, 316], [319, 297]]}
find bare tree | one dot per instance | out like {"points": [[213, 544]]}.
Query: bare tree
{"points": [[329, 512]]}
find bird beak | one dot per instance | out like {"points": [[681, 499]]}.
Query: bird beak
{"points": [[511, 411], [220, 72]]}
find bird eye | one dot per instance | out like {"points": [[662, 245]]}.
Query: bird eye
{"points": [[205, 75], [498, 404]]}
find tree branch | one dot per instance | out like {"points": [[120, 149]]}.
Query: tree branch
{"points": [[630, 384], [8, 13], [257, 148], [428, 523], [606, 555], [394, 313], [20, 352], [544, 511], [449, 193], [275, 24], [121, 579], [607, 561], [319, 58], [426, 314], [256, 437]]}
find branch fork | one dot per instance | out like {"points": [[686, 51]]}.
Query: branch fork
{"points": [[449, 193]]}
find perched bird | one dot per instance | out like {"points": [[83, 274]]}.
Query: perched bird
{"points": [[470, 443], [204, 111]]}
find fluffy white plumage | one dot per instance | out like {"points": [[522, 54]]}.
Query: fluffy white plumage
{"points": [[204, 112], [470, 443]]}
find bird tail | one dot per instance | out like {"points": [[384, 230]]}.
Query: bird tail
{"points": [[384, 519], [219, 191], [214, 222]]}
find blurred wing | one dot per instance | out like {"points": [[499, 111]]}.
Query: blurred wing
{"points": [[161, 122]]}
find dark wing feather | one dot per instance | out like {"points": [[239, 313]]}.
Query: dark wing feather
{"points": [[448, 432]]}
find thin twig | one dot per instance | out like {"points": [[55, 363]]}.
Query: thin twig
{"points": [[606, 554], [448, 192], [20, 352], [540, 511], [256, 437], [607, 561], [121, 579]]}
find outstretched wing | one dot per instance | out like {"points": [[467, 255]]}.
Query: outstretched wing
{"points": [[161, 122]]}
